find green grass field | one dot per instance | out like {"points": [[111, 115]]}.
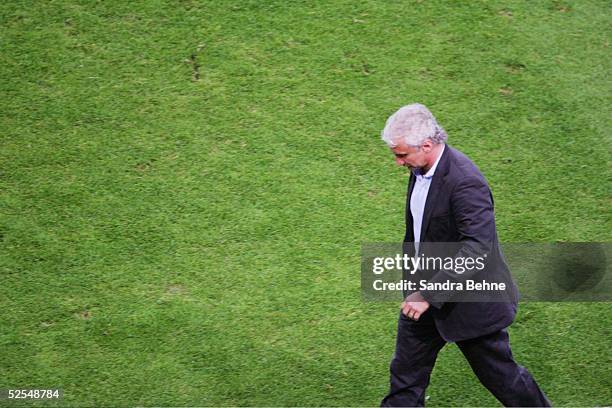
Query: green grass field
{"points": [[186, 186]]}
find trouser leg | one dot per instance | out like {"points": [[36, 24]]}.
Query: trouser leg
{"points": [[491, 359], [416, 349]]}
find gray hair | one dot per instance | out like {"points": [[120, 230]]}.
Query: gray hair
{"points": [[413, 124]]}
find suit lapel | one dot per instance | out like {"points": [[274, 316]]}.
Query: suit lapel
{"points": [[437, 182], [409, 220]]}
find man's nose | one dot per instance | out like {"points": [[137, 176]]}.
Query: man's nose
{"points": [[400, 162]]}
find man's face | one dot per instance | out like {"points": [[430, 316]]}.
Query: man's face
{"points": [[410, 156]]}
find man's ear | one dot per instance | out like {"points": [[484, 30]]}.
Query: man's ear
{"points": [[427, 145]]}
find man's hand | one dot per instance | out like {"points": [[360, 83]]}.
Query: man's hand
{"points": [[414, 306]]}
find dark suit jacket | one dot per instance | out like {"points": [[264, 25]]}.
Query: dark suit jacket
{"points": [[459, 210]]}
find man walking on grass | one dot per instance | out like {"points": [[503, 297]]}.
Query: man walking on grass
{"points": [[449, 201]]}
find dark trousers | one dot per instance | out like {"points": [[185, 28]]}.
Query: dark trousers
{"points": [[417, 347]]}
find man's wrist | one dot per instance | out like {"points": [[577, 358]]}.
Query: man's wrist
{"points": [[427, 297]]}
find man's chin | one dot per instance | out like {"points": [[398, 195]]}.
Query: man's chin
{"points": [[415, 170]]}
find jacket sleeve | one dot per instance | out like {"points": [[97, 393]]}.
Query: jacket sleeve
{"points": [[472, 209]]}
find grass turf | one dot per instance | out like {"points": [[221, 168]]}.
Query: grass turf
{"points": [[186, 185]]}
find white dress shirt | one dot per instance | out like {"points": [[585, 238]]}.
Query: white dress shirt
{"points": [[418, 198]]}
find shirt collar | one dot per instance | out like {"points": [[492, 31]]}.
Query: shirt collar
{"points": [[432, 170]]}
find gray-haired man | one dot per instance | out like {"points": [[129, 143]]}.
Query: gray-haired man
{"points": [[449, 201]]}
